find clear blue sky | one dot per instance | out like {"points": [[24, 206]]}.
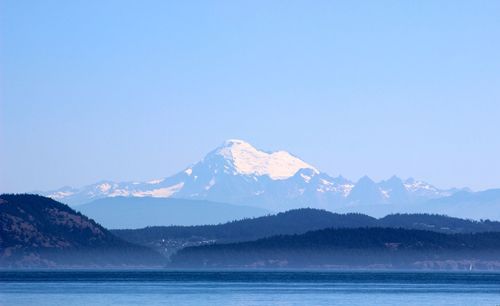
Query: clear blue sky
{"points": [[134, 90]]}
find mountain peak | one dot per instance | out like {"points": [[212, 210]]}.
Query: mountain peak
{"points": [[394, 180], [366, 180], [248, 160], [236, 172], [233, 142]]}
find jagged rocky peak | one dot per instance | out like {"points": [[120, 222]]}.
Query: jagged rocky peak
{"points": [[365, 180]]}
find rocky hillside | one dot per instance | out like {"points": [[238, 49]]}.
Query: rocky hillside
{"points": [[36, 231]]}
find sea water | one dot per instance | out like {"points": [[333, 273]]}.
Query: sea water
{"points": [[40, 288]]}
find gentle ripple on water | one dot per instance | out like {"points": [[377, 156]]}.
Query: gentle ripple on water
{"points": [[42, 288]]}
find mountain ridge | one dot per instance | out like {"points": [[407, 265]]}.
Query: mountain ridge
{"points": [[128, 212], [238, 173]]}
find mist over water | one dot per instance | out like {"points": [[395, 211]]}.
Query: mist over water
{"points": [[247, 288]]}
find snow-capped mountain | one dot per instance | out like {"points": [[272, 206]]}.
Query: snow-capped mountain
{"points": [[238, 173]]}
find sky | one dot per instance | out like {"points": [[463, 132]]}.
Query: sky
{"points": [[135, 90]]}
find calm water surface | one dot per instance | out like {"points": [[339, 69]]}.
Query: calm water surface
{"points": [[246, 288]]}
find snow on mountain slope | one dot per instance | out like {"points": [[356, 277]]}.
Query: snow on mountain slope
{"points": [[238, 173], [247, 160], [421, 188]]}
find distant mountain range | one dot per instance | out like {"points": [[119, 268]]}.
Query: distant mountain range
{"points": [[238, 173], [128, 212], [39, 232]]}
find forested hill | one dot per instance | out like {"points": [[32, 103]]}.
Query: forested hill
{"points": [[36, 231], [439, 223], [291, 222], [382, 248], [170, 238]]}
